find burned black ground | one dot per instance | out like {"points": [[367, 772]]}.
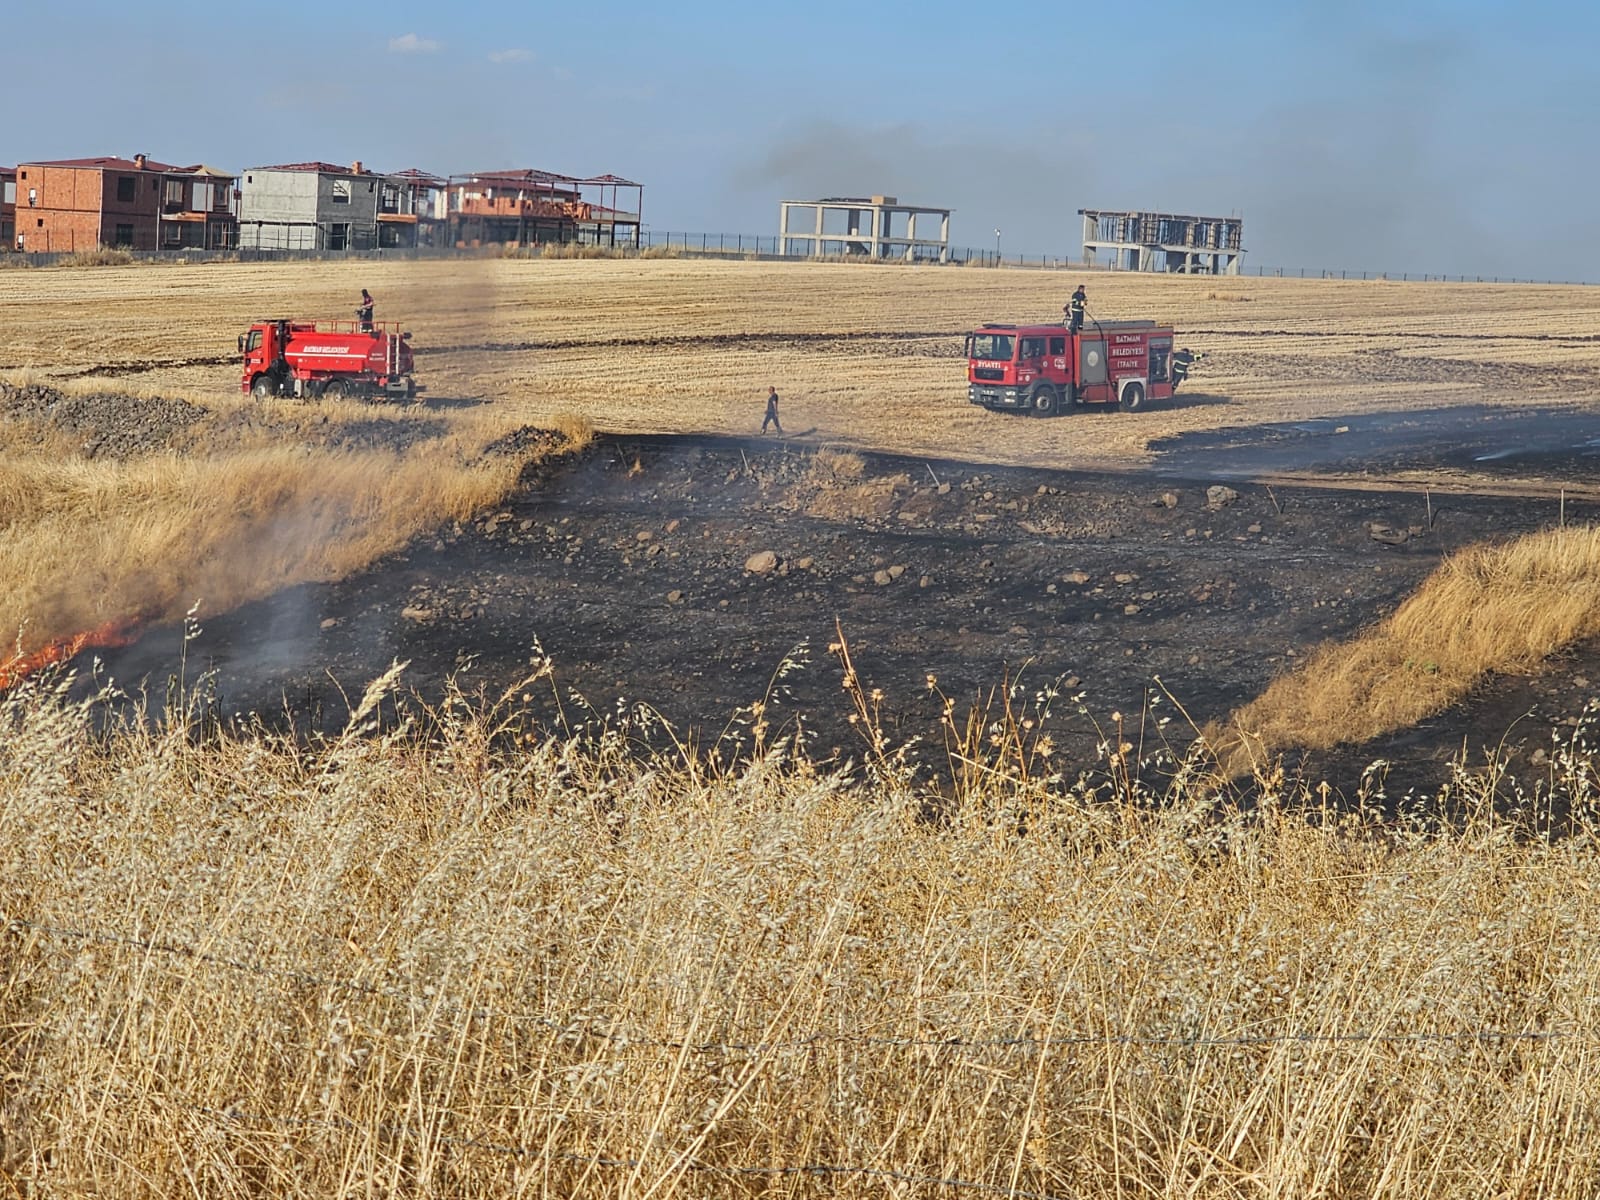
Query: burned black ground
{"points": [[1137, 600]]}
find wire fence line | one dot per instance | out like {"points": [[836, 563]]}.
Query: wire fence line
{"points": [[578, 1029], [770, 249]]}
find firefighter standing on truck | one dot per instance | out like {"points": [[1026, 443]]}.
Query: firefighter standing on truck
{"points": [[364, 311], [1182, 360], [1075, 308]]}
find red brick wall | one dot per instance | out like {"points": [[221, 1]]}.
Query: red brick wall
{"points": [[78, 207]]}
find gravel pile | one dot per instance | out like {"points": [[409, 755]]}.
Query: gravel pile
{"points": [[528, 439], [111, 426]]}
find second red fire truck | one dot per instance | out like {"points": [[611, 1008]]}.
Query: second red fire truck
{"points": [[1045, 370]]}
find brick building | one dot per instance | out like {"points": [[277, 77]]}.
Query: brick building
{"points": [[137, 204], [320, 206]]}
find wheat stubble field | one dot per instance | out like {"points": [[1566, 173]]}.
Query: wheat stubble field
{"points": [[467, 956], [865, 356]]}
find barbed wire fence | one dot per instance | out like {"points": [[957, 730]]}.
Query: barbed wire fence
{"points": [[409, 994]]}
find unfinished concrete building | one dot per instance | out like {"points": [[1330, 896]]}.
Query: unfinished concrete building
{"points": [[873, 227], [323, 206], [1152, 241]]}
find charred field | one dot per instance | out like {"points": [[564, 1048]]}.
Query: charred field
{"points": [[1369, 430], [674, 582]]}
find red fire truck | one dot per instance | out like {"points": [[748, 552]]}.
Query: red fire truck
{"points": [[328, 358], [1045, 370]]}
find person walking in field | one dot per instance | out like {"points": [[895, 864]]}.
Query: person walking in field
{"points": [[772, 412], [364, 311], [1075, 308]]}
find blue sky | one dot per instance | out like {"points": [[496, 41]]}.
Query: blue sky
{"points": [[1404, 136]]}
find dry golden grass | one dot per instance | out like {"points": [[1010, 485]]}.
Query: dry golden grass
{"points": [[443, 962], [89, 542], [1494, 608]]}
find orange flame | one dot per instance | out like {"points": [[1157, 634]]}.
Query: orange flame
{"points": [[112, 634]]}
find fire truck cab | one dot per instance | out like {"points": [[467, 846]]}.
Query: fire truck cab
{"points": [[1045, 370]]}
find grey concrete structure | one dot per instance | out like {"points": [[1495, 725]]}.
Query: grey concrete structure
{"points": [[874, 227], [319, 206], [1154, 241]]}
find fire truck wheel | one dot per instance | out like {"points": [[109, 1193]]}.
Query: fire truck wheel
{"points": [[1043, 403], [261, 389], [1133, 397]]}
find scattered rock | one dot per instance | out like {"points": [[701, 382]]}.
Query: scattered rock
{"points": [[1166, 500], [1253, 528], [761, 562], [644, 535], [330, 622], [1130, 609], [882, 578], [1387, 534], [1079, 577], [803, 564], [417, 613], [1218, 496], [675, 596], [896, 571]]}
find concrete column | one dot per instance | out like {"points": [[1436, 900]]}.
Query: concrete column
{"points": [[816, 243]]}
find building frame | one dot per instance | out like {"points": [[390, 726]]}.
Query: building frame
{"points": [[812, 229], [529, 207], [1157, 241]]}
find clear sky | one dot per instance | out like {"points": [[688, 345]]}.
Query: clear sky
{"points": [[1403, 136]]}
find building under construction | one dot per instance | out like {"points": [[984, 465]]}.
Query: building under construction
{"points": [[871, 226], [1151, 241], [531, 207]]}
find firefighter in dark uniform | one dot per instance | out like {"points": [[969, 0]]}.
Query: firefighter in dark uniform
{"points": [[1075, 308], [1182, 360], [772, 412], [364, 311]]}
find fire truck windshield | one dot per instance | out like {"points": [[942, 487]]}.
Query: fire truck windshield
{"points": [[996, 347]]}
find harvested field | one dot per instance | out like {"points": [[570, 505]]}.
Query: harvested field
{"points": [[864, 356]]}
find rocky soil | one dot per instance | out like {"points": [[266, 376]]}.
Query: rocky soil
{"points": [[105, 424], [700, 577]]}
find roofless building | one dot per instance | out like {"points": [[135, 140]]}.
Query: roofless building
{"points": [[1156, 241], [873, 226]]}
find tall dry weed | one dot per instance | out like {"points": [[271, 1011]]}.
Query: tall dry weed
{"points": [[464, 956]]}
